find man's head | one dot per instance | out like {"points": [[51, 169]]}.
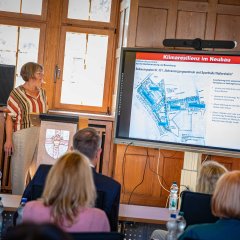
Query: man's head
{"points": [[88, 142]]}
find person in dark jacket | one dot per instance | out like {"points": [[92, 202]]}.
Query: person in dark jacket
{"points": [[88, 142], [226, 206]]}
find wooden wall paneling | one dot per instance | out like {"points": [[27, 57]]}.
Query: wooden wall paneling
{"points": [[211, 20], [151, 29], [193, 6], [105, 129], [132, 28], [190, 24], [230, 2], [171, 170], [229, 162], [172, 19], [136, 169], [227, 28], [156, 3], [228, 9]]}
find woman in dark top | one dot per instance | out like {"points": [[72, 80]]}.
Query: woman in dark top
{"points": [[226, 206]]}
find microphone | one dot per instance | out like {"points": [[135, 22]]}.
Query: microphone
{"points": [[199, 44]]}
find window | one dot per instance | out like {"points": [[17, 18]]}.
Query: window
{"points": [[22, 6], [93, 10], [20, 40], [86, 56]]}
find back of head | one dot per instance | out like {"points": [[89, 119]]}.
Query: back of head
{"points": [[61, 193], [32, 231], [87, 141], [209, 174], [226, 197]]}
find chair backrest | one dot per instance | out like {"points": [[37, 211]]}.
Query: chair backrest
{"points": [[197, 208], [97, 236]]}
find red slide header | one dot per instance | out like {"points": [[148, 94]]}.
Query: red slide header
{"points": [[178, 57]]}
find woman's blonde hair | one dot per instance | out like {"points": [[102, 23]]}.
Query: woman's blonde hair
{"points": [[226, 197], [208, 176], [69, 187], [29, 69]]}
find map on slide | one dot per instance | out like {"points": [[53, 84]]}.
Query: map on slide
{"points": [[177, 111]]}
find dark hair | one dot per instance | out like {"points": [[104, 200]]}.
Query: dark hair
{"points": [[33, 231], [87, 141], [29, 69]]}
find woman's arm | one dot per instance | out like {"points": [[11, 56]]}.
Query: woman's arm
{"points": [[8, 146]]}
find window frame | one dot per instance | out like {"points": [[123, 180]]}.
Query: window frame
{"points": [[25, 16], [108, 72], [109, 25], [30, 24]]}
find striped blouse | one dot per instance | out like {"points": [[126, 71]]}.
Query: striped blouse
{"points": [[20, 104]]}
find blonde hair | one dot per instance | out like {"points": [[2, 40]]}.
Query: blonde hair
{"points": [[226, 197], [69, 186], [29, 69], [208, 176]]}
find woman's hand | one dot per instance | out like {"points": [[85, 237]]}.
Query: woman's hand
{"points": [[8, 148]]}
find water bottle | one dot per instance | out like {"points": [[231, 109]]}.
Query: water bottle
{"points": [[20, 210], [1, 217], [181, 223], [173, 199], [172, 227]]}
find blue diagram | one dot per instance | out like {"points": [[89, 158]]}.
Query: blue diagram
{"points": [[177, 113]]}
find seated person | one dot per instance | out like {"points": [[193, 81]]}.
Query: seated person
{"points": [[33, 231], [210, 172], [68, 197], [88, 142], [226, 206]]}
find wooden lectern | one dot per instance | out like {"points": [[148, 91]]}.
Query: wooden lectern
{"points": [[55, 137]]}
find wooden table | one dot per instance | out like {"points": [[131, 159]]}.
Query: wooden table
{"points": [[145, 214]]}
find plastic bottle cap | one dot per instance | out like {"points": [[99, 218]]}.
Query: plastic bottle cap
{"points": [[174, 182], [181, 213], [173, 215], [24, 200]]}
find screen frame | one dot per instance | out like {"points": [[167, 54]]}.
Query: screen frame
{"points": [[159, 144], [6, 69]]}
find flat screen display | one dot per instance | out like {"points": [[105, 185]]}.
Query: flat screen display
{"points": [[7, 75], [182, 100]]}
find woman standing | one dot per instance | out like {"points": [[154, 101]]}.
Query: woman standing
{"points": [[21, 135]]}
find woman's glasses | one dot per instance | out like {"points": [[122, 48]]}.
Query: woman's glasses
{"points": [[40, 73]]}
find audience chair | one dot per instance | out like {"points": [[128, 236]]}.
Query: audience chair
{"points": [[97, 236], [197, 208]]}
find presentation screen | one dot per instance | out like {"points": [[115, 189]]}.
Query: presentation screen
{"points": [[180, 100]]}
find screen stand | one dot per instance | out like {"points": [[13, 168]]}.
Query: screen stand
{"points": [[191, 165]]}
